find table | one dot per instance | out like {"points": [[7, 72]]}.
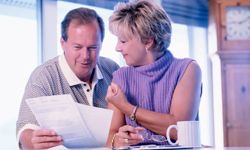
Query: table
{"points": [[203, 148]]}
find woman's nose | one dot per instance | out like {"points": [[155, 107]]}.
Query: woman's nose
{"points": [[118, 48]]}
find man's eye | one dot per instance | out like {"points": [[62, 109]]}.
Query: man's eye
{"points": [[92, 48], [77, 47]]}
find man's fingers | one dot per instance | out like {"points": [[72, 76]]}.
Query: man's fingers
{"points": [[44, 142], [44, 132], [44, 139], [46, 145]]}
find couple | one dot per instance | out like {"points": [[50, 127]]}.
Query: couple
{"points": [[154, 91]]}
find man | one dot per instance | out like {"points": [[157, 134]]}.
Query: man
{"points": [[79, 72]]}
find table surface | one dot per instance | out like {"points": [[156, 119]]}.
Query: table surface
{"points": [[105, 148]]}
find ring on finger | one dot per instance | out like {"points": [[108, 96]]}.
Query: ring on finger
{"points": [[126, 140]]}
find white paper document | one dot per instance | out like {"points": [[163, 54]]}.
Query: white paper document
{"points": [[98, 120], [79, 125], [61, 147]]}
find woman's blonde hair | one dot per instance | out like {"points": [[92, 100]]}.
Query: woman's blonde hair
{"points": [[144, 19]]}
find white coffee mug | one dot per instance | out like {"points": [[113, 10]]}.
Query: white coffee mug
{"points": [[188, 134]]}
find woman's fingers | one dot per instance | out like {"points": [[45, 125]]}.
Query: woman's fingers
{"points": [[131, 139], [128, 135], [126, 128], [112, 91], [139, 129], [130, 129], [114, 88]]}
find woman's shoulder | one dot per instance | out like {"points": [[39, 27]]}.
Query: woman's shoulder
{"points": [[183, 63], [188, 63], [185, 66], [193, 68]]}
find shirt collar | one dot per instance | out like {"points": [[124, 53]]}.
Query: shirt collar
{"points": [[70, 75]]}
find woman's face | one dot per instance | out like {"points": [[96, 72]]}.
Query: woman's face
{"points": [[133, 50]]}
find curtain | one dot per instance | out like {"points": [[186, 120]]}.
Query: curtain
{"points": [[189, 12]]}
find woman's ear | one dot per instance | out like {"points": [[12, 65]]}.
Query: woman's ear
{"points": [[149, 44]]}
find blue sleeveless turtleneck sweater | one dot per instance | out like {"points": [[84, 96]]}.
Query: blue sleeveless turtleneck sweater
{"points": [[151, 86]]}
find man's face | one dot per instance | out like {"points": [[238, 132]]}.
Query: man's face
{"points": [[82, 48]]}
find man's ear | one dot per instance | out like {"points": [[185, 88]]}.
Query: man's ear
{"points": [[62, 42]]}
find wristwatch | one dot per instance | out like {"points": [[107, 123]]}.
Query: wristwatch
{"points": [[132, 116]]}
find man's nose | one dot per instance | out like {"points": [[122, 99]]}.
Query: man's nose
{"points": [[85, 53]]}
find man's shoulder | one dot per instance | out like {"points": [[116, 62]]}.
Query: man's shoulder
{"points": [[50, 62], [104, 62], [43, 68]]}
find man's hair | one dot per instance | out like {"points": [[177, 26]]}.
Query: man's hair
{"points": [[143, 19], [82, 16]]}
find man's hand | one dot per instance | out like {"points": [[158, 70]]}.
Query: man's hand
{"points": [[40, 139], [44, 138]]}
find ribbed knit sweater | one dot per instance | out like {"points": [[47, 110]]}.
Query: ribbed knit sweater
{"points": [[151, 86]]}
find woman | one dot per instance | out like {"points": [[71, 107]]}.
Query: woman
{"points": [[156, 89]]}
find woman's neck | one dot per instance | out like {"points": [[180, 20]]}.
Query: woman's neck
{"points": [[153, 56], [156, 54]]}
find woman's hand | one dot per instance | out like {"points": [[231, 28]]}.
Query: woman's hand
{"points": [[44, 139], [128, 135], [116, 97]]}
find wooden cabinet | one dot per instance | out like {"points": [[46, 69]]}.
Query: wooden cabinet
{"points": [[236, 98], [232, 42]]}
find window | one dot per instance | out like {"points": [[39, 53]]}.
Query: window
{"points": [[18, 58], [179, 45]]}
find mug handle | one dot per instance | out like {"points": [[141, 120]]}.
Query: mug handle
{"points": [[168, 135]]}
